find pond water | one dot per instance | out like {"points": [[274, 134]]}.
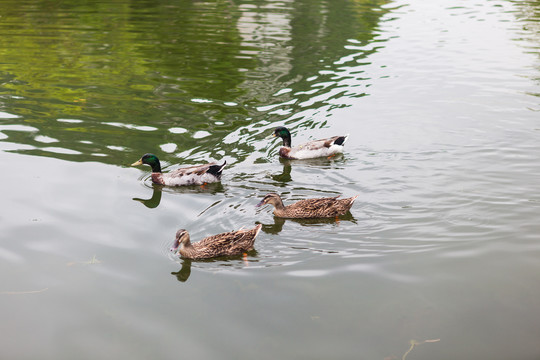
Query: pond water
{"points": [[439, 257]]}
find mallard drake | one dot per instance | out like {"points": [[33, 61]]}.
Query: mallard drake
{"points": [[191, 175], [309, 208], [225, 244], [311, 149]]}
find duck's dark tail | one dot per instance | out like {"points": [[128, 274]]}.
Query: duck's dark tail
{"points": [[217, 169], [341, 140]]}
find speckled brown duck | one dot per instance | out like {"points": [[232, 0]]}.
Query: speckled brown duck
{"points": [[309, 208], [225, 244], [191, 175]]}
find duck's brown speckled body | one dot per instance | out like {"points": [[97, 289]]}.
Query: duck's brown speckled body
{"points": [[225, 244], [309, 208]]}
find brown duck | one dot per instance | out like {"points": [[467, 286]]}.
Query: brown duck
{"points": [[309, 208], [225, 244]]}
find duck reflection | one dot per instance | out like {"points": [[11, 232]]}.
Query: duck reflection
{"points": [[319, 162], [274, 228], [277, 226], [211, 188], [285, 176], [157, 191], [216, 264], [183, 274], [154, 201]]}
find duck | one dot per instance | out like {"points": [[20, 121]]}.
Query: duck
{"points": [[191, 175], [309, 208], [312, 149], [224, 244]]}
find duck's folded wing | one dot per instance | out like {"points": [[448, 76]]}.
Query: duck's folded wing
{"points": [[312, 206], [188, 170], [324, 143]]}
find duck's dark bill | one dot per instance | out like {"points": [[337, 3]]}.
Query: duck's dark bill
{"points": [[175, 246]]}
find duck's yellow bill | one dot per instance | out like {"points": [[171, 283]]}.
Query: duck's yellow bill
{"points": [[139, 162], [270, 136]]}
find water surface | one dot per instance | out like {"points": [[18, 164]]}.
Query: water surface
{"points": [[441, 102]]}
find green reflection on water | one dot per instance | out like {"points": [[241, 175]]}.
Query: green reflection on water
{"points": [[108, 81]]}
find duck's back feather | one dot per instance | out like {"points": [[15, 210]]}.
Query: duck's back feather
{"points": [[191, 175], [317, 208], [315, 148], [226, 244]]}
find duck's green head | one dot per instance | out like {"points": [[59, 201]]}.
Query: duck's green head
{"points": [[149, 159], [283, 132]]}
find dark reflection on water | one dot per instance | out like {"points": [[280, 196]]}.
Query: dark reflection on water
{"points": [[285, 176], [157, 191], [183, 274], [215, 264], [152, 202], [278, 224]]}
